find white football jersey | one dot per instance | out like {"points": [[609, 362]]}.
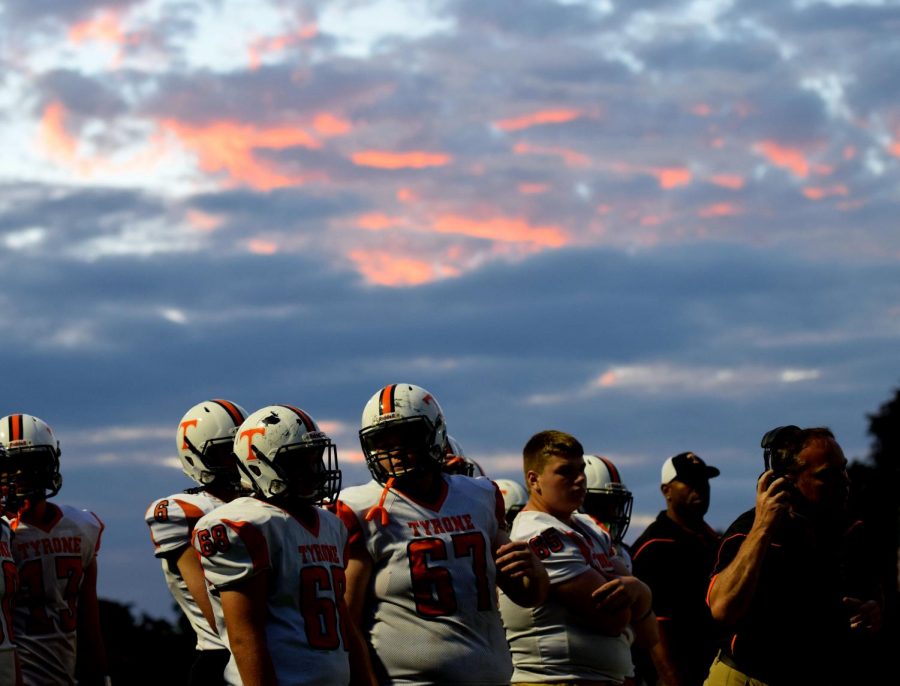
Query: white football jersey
{"points": [[306, 625], [51, 561], [547, 642], [9, 582], [171, 521], [432, 614]]}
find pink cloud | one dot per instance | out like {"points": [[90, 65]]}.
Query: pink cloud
{"points": [[792, 159], [406, 195], [378, 221], [533, 188], [701, 109], [327, 124], [732, 181], [526, 121], [818, 193], [608, 379], [228, 146], [105, 27], [203, 221], [503, 229], [58, 142], [570, 157], [382, 159], [672, 177], [261, 47], [259, 246], [386, 268], [721, 209]]}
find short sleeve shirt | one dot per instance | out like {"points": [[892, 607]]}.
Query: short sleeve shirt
{"points": [[432, 616], [171, 521], [548, 642], [305, 631]]}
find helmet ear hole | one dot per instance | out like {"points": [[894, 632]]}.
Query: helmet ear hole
{"points": [[256, 470]]}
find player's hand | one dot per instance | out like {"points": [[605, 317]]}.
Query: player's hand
{"points": [[521, 574], [515, 559], [612, 602], [865, 616]]}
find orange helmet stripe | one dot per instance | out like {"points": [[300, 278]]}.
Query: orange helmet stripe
{"points": [[387, 399], [305, 418], [613, 472], [232, 411], [16, 427]]}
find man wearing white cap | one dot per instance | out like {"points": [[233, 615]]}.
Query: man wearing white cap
{"points": [[674, 557]]}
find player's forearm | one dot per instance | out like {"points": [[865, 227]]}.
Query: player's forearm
{"points": [[253, 660], [526, 591]]}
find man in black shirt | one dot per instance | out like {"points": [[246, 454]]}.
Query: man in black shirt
{"points": [[793, 581], [674, 557]]}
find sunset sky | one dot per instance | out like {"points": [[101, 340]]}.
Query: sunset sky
{"points": [[660, 226]]}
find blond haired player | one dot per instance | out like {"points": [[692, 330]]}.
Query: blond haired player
{"points": [[581, 633], [277, 560], [204, 440], [55, 549], [427, 552]]}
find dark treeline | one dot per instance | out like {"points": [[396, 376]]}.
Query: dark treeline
{"points": [[147, 651]]}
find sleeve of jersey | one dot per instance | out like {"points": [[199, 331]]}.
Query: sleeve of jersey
{"points": [[356, 540], [499, 508], [231, 551], [170, 525], [563, 554], [101, 527]]}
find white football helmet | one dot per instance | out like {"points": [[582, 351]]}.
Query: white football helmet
{"points": [[205, 439], [402, 430], [607, 499], [456, 461], [281, 453], [31, 467], [514, 497]]}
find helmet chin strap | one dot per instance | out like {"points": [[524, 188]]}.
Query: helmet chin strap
{"points": [[23, 509]]}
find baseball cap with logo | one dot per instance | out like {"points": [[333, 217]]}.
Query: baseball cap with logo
{"points": [[686, 467]]}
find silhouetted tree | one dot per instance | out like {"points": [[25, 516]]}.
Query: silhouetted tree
{"points": [[875, 498], [145, 651]]}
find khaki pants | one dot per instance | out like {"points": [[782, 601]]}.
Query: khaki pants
{"points": [[721, 674]]}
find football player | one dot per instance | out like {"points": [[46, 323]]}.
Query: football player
{"points": [[277, 560], [9, 582], [514, 498], [55, 552], [583, 632], [427, 552], [456, 462], [609, 502], [204, 440]]}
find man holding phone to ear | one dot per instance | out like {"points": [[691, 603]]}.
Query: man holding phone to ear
{"points": [[794, 583]]}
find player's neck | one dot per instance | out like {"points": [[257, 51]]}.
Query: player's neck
{"points": [[37, 512], [538, 504], [223, 493], [422, 485]]}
